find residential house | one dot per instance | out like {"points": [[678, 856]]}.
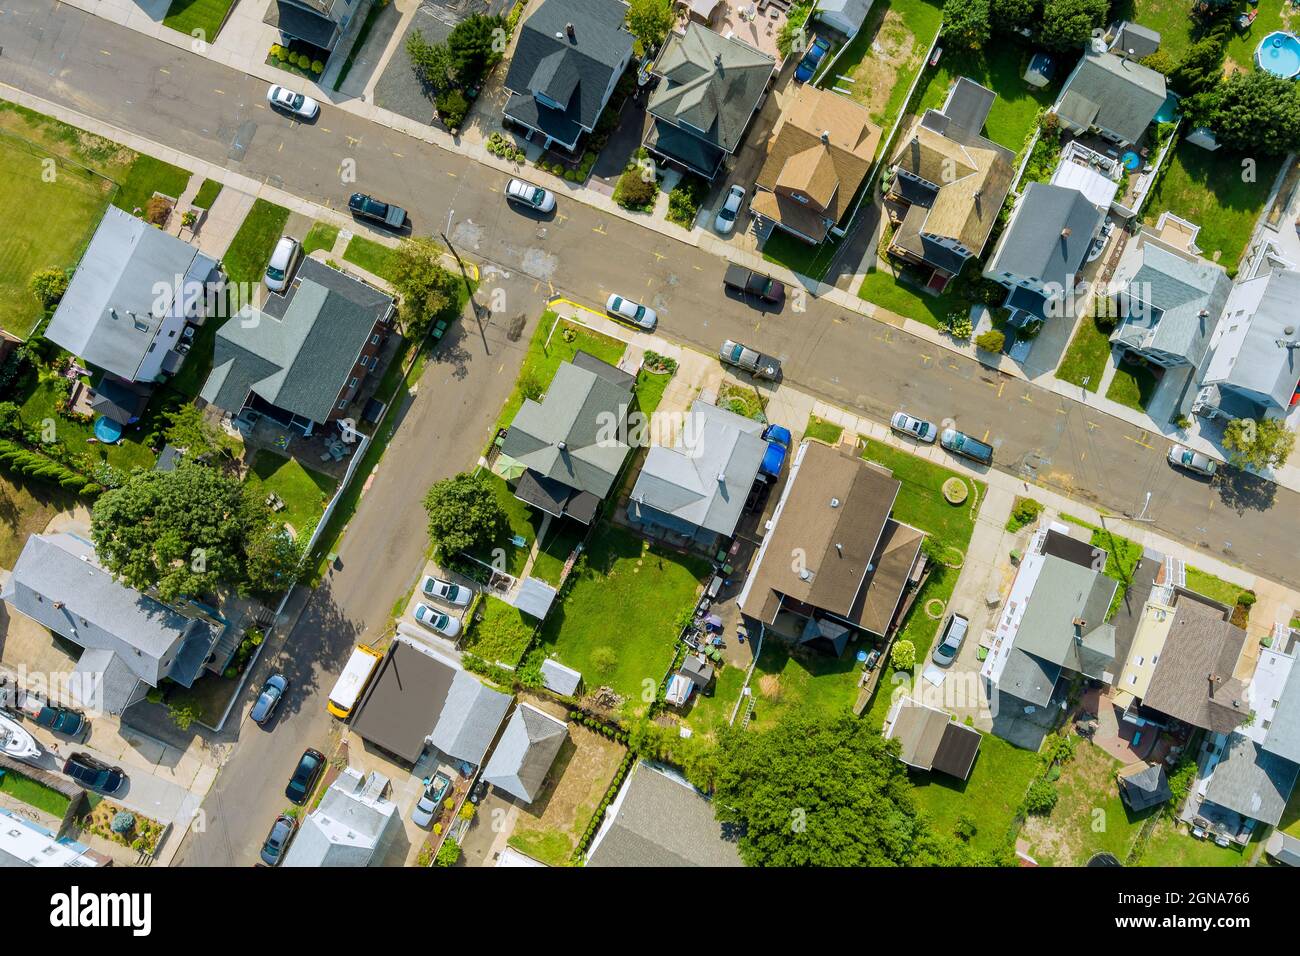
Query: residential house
{"points": [[130, 641], [1114, 95], [1041, 253], [951, 181], [931, 739], [26, 843], [1143, 785], [1055, 620], [567, 61], [1244, 778], [127, 308], [303, 358], [573, 442], [846, 16], [319, 23], [1198, 677], [1253, 369], [1153, 626], [353, 825], [1134, 41], [710, 87], [856, 562], [523, 756], [1167, 301], [818, 156], [1283, 848], [693, 492], [660, 820]]}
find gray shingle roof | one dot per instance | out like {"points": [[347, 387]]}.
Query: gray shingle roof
{"points": [[469, 719], [848, 12], [522, 758], [349, 828], [1251, 781], [1035, 244], [1262, 367], [559, 678], [659, 820], [1283, 736], [299, 350], [1028, 678], [1146, 787], [1141, 41], [108, 315], [1066, 591], [1179, 300], [1113, 94], [704, 478]]}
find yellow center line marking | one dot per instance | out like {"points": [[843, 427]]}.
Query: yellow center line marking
{"points": [[1092, 425], [280, 147], [322, 129], [599, 230], [1025, 398], [452, 175], [986, 435], [660, 257], [953, 365], [163, 69], [105, 52], [698, 268], [1062, 411], [399, 156], [1001, 386], [1137, 442], [1083, 455], [222, 92]]}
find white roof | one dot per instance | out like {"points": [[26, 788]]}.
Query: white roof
{"points": [[1099, 189]]}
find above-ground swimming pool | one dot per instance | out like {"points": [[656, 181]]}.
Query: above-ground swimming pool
{"points": [[1279, 54]]}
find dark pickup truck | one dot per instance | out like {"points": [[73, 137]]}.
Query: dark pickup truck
{"points": [[748, 282], [367, 207]]}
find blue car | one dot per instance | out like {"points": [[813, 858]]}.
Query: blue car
{"points": [[778, 443], [808, 65], [267, 701]]}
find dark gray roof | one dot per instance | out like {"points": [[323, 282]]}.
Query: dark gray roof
{"points": [[575, 73], [1145, 788], [469, 719], [559, 678], [1048, 236], [525, 752], [1028, 678], [1113, 94], [930, 739], [968, 104], [659, 820], [1283, 737], [1251, 781], [403, 701], [299, 350], [1175, 301], [123, 292], [1066, 592], [295, 20], [711, 85], [1136, 40]]}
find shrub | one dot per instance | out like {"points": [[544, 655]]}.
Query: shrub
{"points": [[1041, 798], [48, 285], [277, 51], [156, 210], [959, 326], [1025, 511], [991, 341], [123, 822], [903, 656], [317, 67], [452, 108], [448, 853], [636, 189]]}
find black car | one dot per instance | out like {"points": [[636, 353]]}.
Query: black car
{"points": [[305, 775], [61, 720], [277, 841], [94, 774], [368, 207], [269, 699]]}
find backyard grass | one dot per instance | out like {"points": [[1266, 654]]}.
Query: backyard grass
{"points": [[46, 234], [823, 430], [709, 713], [245, 261], [26, 507], [1270, 15], [522, 523], [207, 194], [1085, 360], [187, 16], [34, 794], [1209, 189], [305, 493], [560, 541], [37, 402], [146, 177], [1216, 589], [1172, 846], [650, 388], [1172, 19], [374, 257], [788, 680], [501, 634], [889, 289], [1132, 386], [619, 622], [321, 236]]}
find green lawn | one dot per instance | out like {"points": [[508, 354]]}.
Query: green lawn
{"points": [[1122, 557], [321, 236], [46, 225], [619, 623], [823, 430], [207, 194], [502, 634], [1216, 589], [1241, 48], [186, 16], [920, 501], [146, 177], [708, 713], [999, 66], [1172, 19], [893, 291], [1171, 846], [374, 257], [36, 404], [245, 261], [650, 388], [1209, 190], [788, 679], [1133, 386], [523, 523], [800, 257], [1085, 360], [560, 541], [305, 493], [34, 794]]}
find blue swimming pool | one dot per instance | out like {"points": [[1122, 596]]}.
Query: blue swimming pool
{"points": [[1168, 109], [1279, 54]]}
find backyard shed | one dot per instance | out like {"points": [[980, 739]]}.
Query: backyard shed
{"points": [[1143, 786]]}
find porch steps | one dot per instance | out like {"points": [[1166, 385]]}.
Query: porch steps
{"points": [[1175, 573]]}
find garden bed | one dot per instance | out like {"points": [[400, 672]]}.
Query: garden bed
{"points": [[143, 836]]}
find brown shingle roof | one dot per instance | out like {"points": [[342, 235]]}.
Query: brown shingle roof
{"points": [[893, 562], [1193, 680]]}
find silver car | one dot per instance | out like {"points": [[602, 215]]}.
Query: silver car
{"points": [[954, 633], [526, 194], [303, 107], [444, 624], [726, 218], [1193, 461], [445, 591], [280, 267], [642, 316], [916, 428]]}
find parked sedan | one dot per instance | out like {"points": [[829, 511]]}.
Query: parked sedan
{"points": [[526, 194], [303, 107], [61, 720], [94, 774], [1193, 461], [445, 591], [726, 219], [310, 766], [913, 427], [280, 267], [277, 841], [444, 624], [642, 316], [267, 701]]}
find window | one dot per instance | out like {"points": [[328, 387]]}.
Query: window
{"points": [[374, 340], [353, 383], [343, 405]]}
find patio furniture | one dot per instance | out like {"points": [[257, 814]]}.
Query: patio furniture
{"points": [[1198, 833], [1222, 841]]}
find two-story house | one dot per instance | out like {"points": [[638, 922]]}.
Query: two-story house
{"points": [[318, 22], [1114, 95]]}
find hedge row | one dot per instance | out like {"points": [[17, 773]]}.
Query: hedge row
{"points": [[598, 817], [23, 461]]}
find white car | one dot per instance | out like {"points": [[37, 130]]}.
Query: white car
{"points": [[444, 624], [280, 267], [913, 427], [642, 316], [303, 107], [1193, 461], [444, 591], [726, 220], [534, 197]]}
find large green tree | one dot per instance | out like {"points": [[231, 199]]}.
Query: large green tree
{"points": [[1068, 24], [187, 429], [1259, 444], [464, 513], [966, 22], [1255, 112], [476, 44], [649, 21], [432, 62], [426, 286], [1011, 14]]}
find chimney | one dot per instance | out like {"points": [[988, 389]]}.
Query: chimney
{"points": [[59, 605], [1079, 622], [722, 477], [835, 502], [562, 446], [839, 548], [573, 37], [826, 136], [1215, 680], [1065, 233]]}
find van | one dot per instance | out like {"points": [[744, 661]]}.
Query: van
{"points": [[959, 443], [352, 682]]}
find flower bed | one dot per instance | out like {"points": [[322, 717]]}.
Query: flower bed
{"points": [[143, 835]]}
